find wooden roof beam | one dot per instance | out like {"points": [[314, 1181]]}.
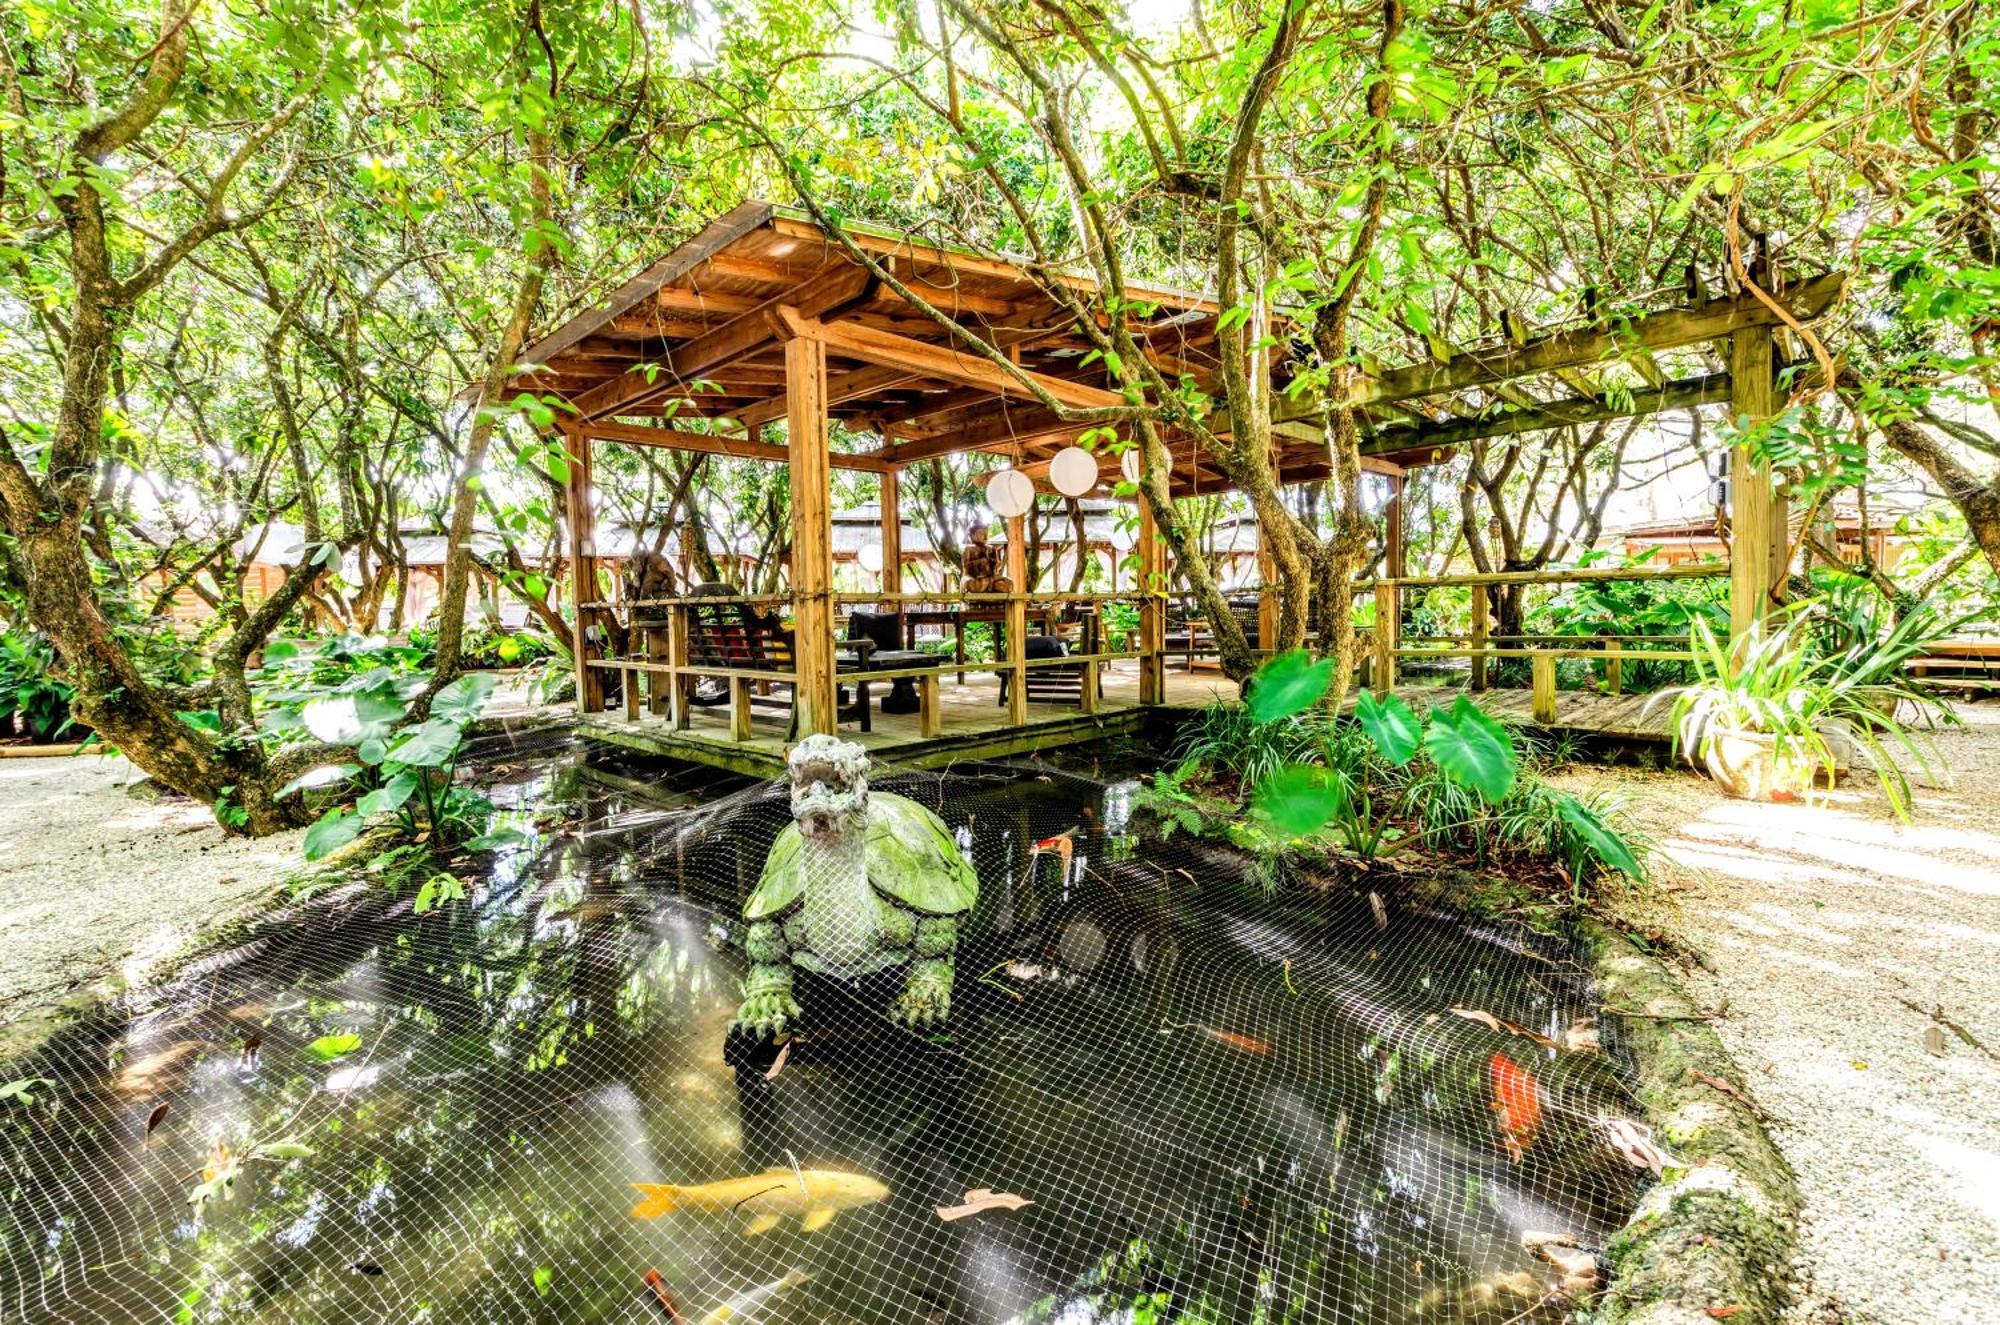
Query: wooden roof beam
{"points": [[832, 290], [675, 439], [938, 362]]}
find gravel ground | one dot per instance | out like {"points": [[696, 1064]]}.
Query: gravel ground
{"points": [[1827, 940], [96, 882]]}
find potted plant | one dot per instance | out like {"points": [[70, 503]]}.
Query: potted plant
{"points": [[1770, 716]]}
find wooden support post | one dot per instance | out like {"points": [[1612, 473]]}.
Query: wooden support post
{"points": [[681, 689], [1543, 666], [812, 537], [1614, 668], [1392, 529], [657, 683], [1384, 674], [1754, 529], [1267, 593], [739, 708], [1482, 615], [582, 570], [1017, 621], [929, 721], [1152, 609], [892, 545], [1089, 700], [628, 682]]}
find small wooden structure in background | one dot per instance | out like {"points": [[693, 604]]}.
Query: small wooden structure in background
{"points": [[764, 317]]}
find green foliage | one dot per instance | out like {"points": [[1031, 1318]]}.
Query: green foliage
{"points": [[1472, 749], [359, 693], [1652, 613], [1781, 681], [1288, 684], [1450, 780], [32, 699]]}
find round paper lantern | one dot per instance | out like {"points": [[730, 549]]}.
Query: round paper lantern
{"points": [[1010, 493], [870, 557], [1131, 464], [1073, 472]]}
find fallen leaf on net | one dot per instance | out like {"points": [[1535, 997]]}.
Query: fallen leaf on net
{"points": [[1724, 1313], [1578, 1268], [1380, 911], [1934, 1041], [155, 1118], [1634, 1144], [1581, 1038], [1504, 1026], [982, 1198], [778, 1063]]}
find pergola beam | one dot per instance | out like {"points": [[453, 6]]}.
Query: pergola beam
{"points": [[1685, 393], [1718, 319]]}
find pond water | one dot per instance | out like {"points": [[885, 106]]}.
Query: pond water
{"points": [[1223, 1106]]}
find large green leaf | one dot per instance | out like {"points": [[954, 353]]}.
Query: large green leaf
{"points": [[335, 829], [1299, 799], [1472, 749], [389, 796], [1611, 850], [1290, 683], [1391, 725], [432, 745], [347, 719], [461, 701], [329, 1047]]}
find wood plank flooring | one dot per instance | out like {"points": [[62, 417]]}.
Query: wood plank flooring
{"points": [[975, 722]]}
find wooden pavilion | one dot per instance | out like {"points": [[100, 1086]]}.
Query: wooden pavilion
{"points": [[764, 317]]}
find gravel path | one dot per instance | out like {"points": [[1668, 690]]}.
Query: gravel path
{"points": [[1829, 941], [96, 883]]}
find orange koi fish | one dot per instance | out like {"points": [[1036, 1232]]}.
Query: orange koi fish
{"points": [[1517, 1102]]}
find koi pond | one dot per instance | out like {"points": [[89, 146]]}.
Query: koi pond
{"points": [[1165, 1093]]}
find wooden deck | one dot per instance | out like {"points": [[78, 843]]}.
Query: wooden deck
{"points": [[975, 722]]}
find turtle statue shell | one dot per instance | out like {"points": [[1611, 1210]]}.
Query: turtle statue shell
{"points": [[912, 859]]}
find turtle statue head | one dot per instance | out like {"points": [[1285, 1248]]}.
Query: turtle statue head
{"points": [[857, 883], [829, 787]]}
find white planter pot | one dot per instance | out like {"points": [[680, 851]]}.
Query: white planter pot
{"points": [[1751, 766]]}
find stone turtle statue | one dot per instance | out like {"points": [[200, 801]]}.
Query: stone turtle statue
{"points": [[856, 883]]}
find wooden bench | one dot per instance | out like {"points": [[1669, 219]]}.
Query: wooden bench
{"points": [[733, 637]]}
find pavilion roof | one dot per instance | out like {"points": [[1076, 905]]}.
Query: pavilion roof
{"points": [[699, 335]]}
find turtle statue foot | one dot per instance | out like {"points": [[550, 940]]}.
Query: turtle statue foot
{"points": [[925, 1001], [767, 1014]]}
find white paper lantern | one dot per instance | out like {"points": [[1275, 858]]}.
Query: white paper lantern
{"points": [[1010, 493], [1131, 465], [1073, 472], [870, 557]]}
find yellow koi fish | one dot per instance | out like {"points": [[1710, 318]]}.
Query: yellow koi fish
{"points": [[813, 1196]]}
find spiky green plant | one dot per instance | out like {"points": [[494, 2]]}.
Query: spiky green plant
{"points": [[1773, 683]]}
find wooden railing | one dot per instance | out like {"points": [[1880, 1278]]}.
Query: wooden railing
{"points": [[1481, 646], [671, 674]]}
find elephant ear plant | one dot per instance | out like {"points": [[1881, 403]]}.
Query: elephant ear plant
{"points": [[1378, 788], [404, 775]]}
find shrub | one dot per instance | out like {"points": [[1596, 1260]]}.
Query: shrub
{"points": [[32, 699]]}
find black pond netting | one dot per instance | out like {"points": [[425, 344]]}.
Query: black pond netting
{"points": [[1220, 1105]]}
